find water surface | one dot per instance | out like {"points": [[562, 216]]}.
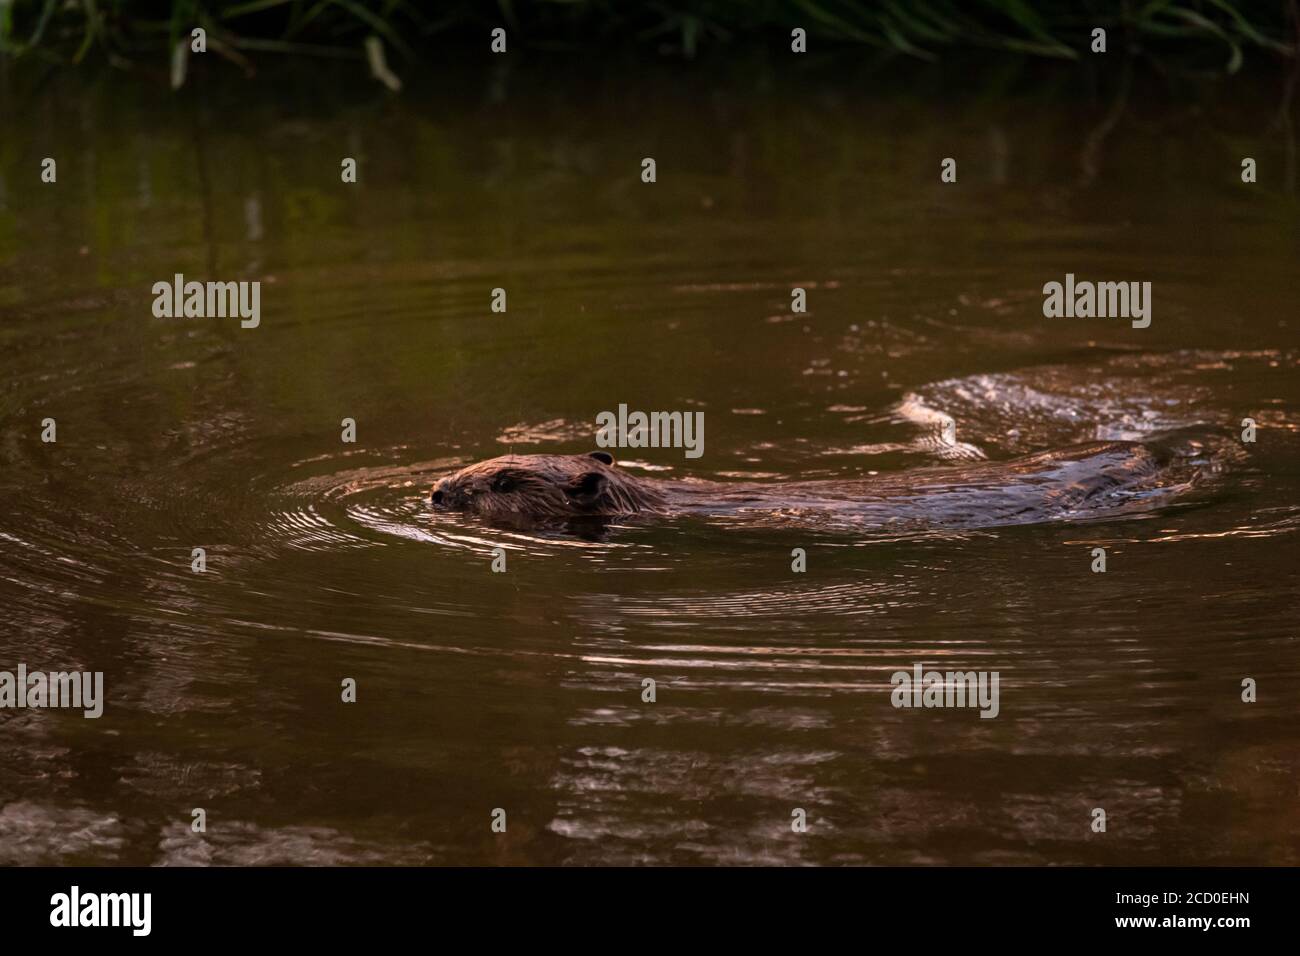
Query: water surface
{"points": [[523, 690]]}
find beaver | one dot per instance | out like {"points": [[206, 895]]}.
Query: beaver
{"points": [[1078, 481]]}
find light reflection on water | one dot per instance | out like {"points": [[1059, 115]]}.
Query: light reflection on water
{"points": [[523, 690]]}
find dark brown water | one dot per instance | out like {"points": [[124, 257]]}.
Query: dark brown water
{"points": [[522, 690]]}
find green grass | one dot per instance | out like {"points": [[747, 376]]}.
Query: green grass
{"points": [[1204, 34]]}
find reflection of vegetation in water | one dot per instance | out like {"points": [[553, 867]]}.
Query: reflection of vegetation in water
{"points": [[539, 191], [1217, 31], [437, 156]]}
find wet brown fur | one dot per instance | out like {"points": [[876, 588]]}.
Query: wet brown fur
{"points": [[1067, 482], [547, 488]]}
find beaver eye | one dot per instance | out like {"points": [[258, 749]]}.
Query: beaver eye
{"points": [[503, 483]]}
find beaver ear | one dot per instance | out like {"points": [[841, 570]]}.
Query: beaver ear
{"points": [[604, 457], [585, 490]]}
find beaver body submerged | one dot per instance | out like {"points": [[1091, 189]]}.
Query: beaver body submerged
{"points": [[1074, 482]]}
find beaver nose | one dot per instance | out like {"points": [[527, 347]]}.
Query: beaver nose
{"points": [[439, 493]]}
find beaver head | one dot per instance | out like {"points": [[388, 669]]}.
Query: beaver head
{"points": [[545, 487]]}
